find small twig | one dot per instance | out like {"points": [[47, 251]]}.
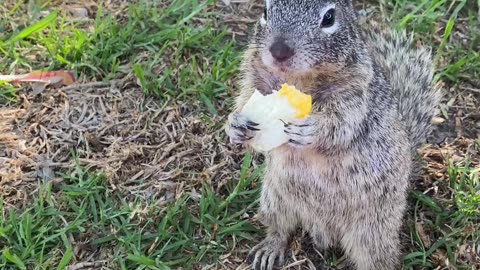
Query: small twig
{"points": [[70, 236], [85, 265], [300, 262], [86, 85], [471, 89], [458, 124]]}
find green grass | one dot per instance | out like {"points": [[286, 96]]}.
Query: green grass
{"points": [[441, 18], [83, 209], [452, 221], [169, 54]]}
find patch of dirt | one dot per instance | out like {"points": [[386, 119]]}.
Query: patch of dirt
{"points": [[14, 156], [145, 148]]}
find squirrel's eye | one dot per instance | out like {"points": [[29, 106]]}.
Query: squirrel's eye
{"points": [[328, 18], [265, 13]]}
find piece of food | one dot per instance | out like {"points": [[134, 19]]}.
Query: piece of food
{"points": [[298, 100], [272, 111]]}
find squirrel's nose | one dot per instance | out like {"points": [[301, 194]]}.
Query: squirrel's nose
{"points": [[281, 51]]}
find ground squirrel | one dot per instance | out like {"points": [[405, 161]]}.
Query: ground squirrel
{"points": [[343, 175]]}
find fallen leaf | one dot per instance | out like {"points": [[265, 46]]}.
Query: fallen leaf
{"points": [[440, 257], [427, 242], [45, 77]]}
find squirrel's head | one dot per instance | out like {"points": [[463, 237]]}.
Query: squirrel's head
{"points": [[307, 35]]}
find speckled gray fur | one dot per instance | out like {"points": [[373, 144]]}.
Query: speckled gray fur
{"points": [[344, 175]]}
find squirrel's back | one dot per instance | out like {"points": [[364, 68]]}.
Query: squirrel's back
{"points": [[410, 71]]}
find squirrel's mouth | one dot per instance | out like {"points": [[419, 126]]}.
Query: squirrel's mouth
{"points": [[285, 67], [280, 67]]}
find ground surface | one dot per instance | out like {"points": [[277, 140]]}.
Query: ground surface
{"points": [[130, 168]]}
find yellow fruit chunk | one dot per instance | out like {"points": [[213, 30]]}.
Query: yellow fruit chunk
{"points": [[271, 111], [298, 100]]}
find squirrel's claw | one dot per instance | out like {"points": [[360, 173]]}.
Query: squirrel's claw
{"points": [[301, 133], [239, 129], [269, 253]]}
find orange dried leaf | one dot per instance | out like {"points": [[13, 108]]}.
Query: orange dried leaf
{"points": [[48, 77], [66, 77]]}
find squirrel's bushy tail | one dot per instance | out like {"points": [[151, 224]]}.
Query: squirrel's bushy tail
{"points": [[410, 72]]}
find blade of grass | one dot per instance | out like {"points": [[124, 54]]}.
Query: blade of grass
{"points": [[67, 257], [35, 28], [13, 258]]}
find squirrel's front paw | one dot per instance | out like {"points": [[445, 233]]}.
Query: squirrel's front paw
{"points": [[239, 128], [269, 253], [301, 133]]}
